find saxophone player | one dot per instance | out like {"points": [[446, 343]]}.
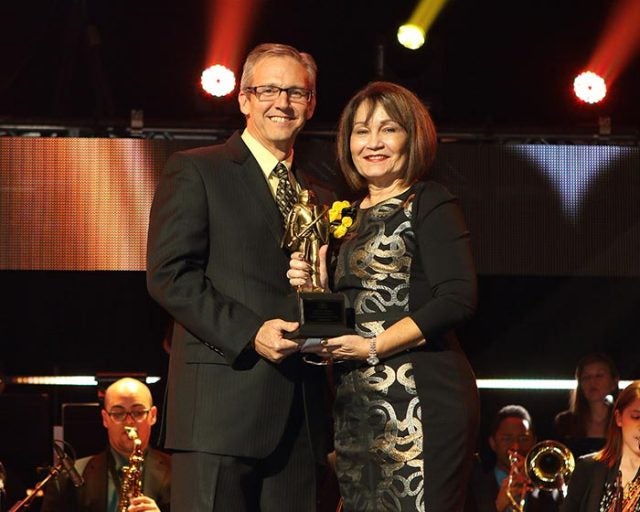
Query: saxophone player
{"points": [[127, 404]]}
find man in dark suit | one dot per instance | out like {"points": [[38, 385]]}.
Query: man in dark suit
{"points": [[245, 414], [127, 403]]}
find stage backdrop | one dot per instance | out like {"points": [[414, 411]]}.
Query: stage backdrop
{"points": [[83, 204], [555, 232]]}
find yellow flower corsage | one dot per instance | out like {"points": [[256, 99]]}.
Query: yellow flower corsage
{"points": [[340, 220]]}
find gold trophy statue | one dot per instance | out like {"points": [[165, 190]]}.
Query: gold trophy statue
{"points": [[320, 314], [306, 229]]}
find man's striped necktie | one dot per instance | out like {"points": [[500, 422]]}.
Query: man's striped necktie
{"points": [[285, 195]]}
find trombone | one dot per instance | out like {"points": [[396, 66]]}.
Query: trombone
{"points": [[548, 465]]}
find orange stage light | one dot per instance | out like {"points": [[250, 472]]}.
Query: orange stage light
{"points": [[230, 23], [619, 42]]}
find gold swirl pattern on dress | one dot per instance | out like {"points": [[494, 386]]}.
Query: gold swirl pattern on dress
{"points": [[396, 441], [370, 329], [379, 437], [382, 262]]}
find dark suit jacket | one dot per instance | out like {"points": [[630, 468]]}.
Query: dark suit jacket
{"points": [[571, 431], [587, 484], [216, 265], [62, 496], [483, 489]]}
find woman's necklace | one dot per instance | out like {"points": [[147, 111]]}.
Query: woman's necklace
{"points": [[631, 490]]}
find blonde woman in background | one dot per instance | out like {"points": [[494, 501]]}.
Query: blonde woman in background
{"points": [[583, 426]]}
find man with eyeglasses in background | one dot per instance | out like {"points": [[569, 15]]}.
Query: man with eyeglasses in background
{"points": [[127, 403], [246, 419]]}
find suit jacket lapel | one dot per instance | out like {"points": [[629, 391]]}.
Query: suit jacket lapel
{"points": [[155, 482], [600, 476], [303, 178], [93, 494], [253, 178]]}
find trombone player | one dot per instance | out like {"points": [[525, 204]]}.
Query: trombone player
{"points": [[505, 486]]}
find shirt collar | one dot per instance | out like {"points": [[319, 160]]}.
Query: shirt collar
{"points": [[118, 459], [265, 158], [500, 475]]}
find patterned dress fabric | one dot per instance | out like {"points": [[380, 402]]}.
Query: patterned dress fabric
{"points": [[630, 496], [378, 427]]}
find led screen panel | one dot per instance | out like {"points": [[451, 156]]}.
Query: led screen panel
{"points": [[83, 204]]}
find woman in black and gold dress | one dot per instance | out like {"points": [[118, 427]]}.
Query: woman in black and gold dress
{"points": [[406, 406]]}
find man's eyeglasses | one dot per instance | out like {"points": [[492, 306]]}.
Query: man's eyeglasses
{"points": [[272, 92], [120, 415]]}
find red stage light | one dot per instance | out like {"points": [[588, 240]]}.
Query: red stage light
{"points": [[218, 80], [589, 87]]}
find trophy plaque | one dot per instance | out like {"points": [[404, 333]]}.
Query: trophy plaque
{"points": [[322, 315]]}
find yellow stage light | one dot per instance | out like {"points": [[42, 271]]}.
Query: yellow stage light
{"points": [[413, 33], [411, 36]]}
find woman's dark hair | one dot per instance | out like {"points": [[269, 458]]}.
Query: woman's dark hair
{"points": [[510, 411], [612, 450], [404, 108]]}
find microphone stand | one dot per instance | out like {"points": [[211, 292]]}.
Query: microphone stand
{"points": [[3, 493], [24, 503]]}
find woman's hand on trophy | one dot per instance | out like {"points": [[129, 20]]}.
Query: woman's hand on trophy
{"points": [[300, 270], [341, 348]]}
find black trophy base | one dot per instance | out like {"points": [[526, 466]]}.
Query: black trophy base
{"points": [[322, 315]]}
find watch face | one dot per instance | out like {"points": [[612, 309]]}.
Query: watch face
{"points": [[372, 360]]}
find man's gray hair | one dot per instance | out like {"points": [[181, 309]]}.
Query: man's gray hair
{"points": [[277, 50]]}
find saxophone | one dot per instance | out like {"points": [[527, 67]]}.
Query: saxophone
{"points": [[131, 486]]}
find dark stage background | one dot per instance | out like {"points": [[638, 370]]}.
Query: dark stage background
{"points": [[554, 227], [485, 65], [555, 231], [550, 196]]}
